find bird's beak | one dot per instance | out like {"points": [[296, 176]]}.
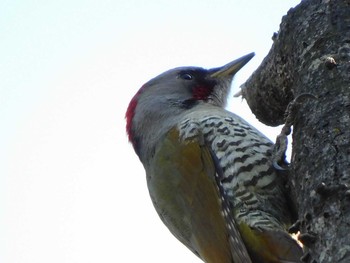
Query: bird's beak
{"points": [[230, 69]]}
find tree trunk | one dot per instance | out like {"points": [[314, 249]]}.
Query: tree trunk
{"points": [[311, 54]]}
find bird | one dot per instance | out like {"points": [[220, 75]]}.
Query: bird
{"points": [[209, 173]]}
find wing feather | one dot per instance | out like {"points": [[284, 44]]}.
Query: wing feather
{"points": [[187, 194]]}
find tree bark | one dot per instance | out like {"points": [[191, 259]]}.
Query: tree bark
{"points": [[311, 54]]}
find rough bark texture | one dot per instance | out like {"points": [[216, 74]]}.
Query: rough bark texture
{"points": [[311, 54]]}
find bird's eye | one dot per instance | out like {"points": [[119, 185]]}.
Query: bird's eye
{"points": [[186, 76]]}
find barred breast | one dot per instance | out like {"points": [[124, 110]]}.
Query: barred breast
{"points": [[251, 184]]}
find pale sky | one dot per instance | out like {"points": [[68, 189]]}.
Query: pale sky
{"points": [[71, 188]]}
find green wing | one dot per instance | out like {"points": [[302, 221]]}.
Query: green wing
{"points": [[187, 197]]}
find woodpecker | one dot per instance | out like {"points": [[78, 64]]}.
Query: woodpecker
{"points": [[209, 173]]}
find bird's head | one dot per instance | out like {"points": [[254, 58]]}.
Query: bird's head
{"points": [[175, 91]]}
